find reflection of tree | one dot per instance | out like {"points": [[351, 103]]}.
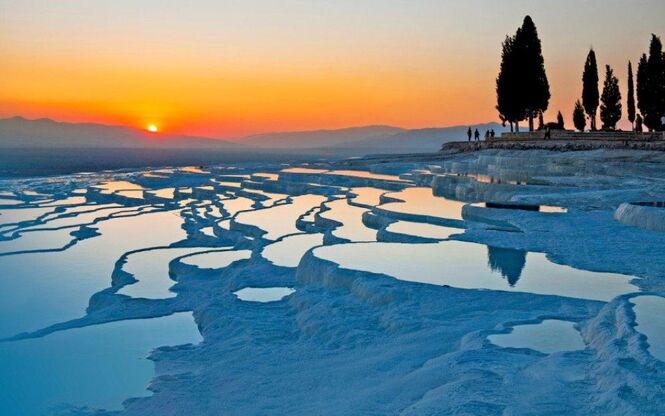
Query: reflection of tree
{"points": [[507, 261]]}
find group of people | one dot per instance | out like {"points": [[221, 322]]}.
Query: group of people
{"points": [[489, 134]]}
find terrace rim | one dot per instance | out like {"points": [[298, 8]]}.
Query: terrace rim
{"points": [[564, 140]]}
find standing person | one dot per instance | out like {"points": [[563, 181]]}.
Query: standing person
{"points": [[487, 135], [477, 135], [492, 134], [548, 134], [469, 133]]}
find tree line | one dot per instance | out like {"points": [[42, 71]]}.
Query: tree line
{"points": [[523, 91]]}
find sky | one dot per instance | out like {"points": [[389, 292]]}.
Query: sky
{"points": [[232, 68]]}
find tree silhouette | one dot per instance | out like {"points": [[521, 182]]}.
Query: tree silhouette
{"points": [[522, 88], [559, 120], [534, 90], [630, 101], [590, 94], [579, 120], [643, 95], [610, 109], [651, 85], [507, 261], [541, 122], [506, 85]]}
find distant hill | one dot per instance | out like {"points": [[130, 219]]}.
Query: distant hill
{"points": [[18, 132], [318, 138], [417, 140], [44, 146], [365, 140]]}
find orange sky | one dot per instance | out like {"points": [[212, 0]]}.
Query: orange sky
{"points": [[226, 69]]}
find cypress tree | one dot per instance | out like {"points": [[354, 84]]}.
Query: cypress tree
{"points": [[610, 109], [651, 85], [643, 92], [579, 120], [590, 94], [534, 90], [657, 71], [507, 84], [630, 101], [541, 122], [559, 120]]}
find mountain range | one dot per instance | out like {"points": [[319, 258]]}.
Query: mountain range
{"points": [[22, 133]]}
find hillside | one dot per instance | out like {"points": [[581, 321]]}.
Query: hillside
{"points": [[18, 132], [318, 138]]}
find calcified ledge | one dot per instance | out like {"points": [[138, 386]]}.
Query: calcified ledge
{"points": [[650, 216], [561, 145]]}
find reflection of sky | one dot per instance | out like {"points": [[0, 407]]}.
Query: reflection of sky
{"points": [[650, 317], [421, 229], [263, 294], [45, 288], [350, 216], [288, 251], [151, 269], [465, 265], [280, 220], [420, 201], [97, 366], [549, 336]]}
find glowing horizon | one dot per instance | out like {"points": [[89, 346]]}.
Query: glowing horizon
{"points": [[224, 69]]}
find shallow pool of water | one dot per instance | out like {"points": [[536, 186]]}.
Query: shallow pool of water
{"points": [[366, 196], [475, 266], [365, 175], [420, 229], [280, 220], [110, 187], [350, 217], [41, 289], [151, 269], [216, 259], [235, 205], [421, 202], [549, 336], [650, 317], [263, 294], [288, 251], [98, 366]]}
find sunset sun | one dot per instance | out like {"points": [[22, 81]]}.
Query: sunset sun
{"points": [[152, 128]]}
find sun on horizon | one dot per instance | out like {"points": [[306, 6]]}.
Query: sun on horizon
{"points": [[152, 128]]}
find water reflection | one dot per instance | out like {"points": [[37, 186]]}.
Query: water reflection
{"points": [[549, 336], [650, 317], [263, 294], [288, 251], [287, 214], [98, 366], [421, 201], [522, 207], [507, 261], [460, 264]]}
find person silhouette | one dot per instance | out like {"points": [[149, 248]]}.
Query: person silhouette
{"points": [[468, 133], [492, 133], [548, 134], [477, 135], [487, 135]]}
